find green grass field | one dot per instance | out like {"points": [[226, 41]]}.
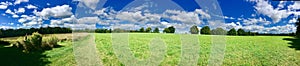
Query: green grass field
{"points": [[240, 50]]}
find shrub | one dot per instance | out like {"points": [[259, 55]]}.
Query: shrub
{"points": [[24, 44], [49, 42], [36, 42]]}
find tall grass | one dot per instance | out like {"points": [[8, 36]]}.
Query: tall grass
{"points": [[36, 42]]}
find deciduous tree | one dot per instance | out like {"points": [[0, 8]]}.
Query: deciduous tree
{"points": [[241, 32], [194, 30], [205, 30], [148, 30], [156, 30], [218, 31], [232, 32]]}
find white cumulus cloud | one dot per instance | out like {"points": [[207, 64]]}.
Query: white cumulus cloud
{"points": [[56, 12], [20, 1], [31, 6]]}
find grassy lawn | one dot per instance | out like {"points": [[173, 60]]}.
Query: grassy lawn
{"points": [[240, 50]]}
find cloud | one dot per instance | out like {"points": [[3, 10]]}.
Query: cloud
{"points": [[182, 16], [131, 16], [254, 21], [8, 11], [4, 5], [56, 12], [231, 25], [30, 20], [293, 20], [294, 6], [204, 14], [31, 6], [63, 21], [6, 27], [88, 20], [89, 3], [139, 17], [20, 1], [22, 20], [15, 16], [265, 8], [20, 10], [226, 17]]}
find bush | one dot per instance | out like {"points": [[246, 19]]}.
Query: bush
{"points": [[36, 42], [49, 42]]}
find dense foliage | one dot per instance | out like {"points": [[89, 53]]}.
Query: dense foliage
{"points": [[205, 30], [36, 42], [169, 30], [232, 32], [156, 30], [148, 30], [23, 32], [241, 32], [218, 31], [103, 30], [194, 30], [142, 29]]}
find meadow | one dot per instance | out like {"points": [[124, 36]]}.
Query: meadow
{"points": [[240, 50]]}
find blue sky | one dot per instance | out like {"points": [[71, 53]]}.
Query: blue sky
{"points": [[252, 15]]}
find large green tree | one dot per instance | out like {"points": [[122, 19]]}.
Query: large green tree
{"points": [[241, 32], [148, 30], [218, 31], [194, 30], [232, 32], [298, 28], [205, 30], [142, 29], [172, 29], [166, 30], [156, 30]]}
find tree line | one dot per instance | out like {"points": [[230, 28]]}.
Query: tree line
{"points": [[240, 32], [206, 30], [170, 29], [23, 32]]}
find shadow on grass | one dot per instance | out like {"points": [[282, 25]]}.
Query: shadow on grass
{"points": [[11, 56], [295, 43]]}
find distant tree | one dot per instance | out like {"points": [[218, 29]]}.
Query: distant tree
{"points": [[232, 32], [166, 30], [205, 30], [172, 29], [218, 31], [0, 33], [156, 30], [298, 28], [118, 30], [109, 31], [148, 30], [241, 32], [194, 29], [142, 29]]}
